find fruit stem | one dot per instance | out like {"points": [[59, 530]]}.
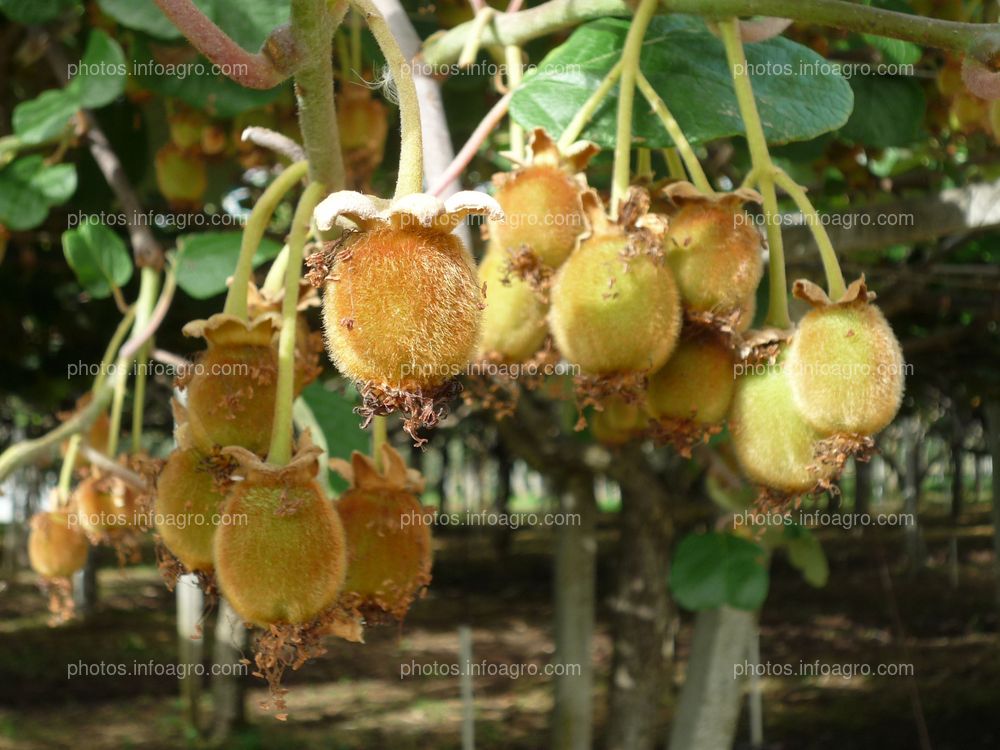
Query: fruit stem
{"points": [[149, 285], [631, 54], [410, 178], [280, 451], [66, 472], [674, 164], [583, 115], [831, 267], [380, 436], [343, 55], [777, 311], [644, 165], [275, 279], [471, 49], [515, 73], [112, 348], [356, 42], [253, 233], [313, 23], [676, 135]]}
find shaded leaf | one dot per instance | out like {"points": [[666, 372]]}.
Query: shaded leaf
{"points": [[712, 570], [207, 259], [28, 188], [99, 258]]}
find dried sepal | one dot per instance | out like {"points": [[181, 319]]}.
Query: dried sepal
{"points": [[353, 210]]}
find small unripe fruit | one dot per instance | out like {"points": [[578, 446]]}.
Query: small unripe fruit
{"points": [[774, 445], [613, 312], [544, 213], [388, 539], [714, 252], [104, 505], [846, 369], [282, 558], [181, 177], [230, 399], [189, 497], [55, 549], [402, 308], [514, 319], [618, 422], [696, 383]]}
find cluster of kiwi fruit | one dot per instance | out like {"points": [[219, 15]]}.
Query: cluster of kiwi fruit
{"points": [[660, 302]]}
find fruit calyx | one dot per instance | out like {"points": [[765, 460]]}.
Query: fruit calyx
{"points": [[857, 293]]}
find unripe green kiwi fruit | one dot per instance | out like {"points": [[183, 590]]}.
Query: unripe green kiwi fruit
{"points": [[696, 383], [403, 308], [230, 400], [514, 319], [388, 539], [618, 422], [280, 556], [846, 369], [715, 254], [543, 213], [55, 549], [611, 314], [186, 507], [774, 445]]}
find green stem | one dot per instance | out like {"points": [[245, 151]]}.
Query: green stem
{"points": [[556, 15], [676, 135], [471, 50], [631, 54], [831, 267], [280, 451], [253, 233], [411, 154], [149, 286], [117, 406], [777, 311], [343, 55], [674, 164], [644, 164], [313, 24], [380, 436], [275, 279], [515, 73], [586, 112], [356, 42], [66, 472], [113, 346]]}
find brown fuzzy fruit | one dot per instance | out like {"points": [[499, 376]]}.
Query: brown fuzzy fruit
{"points": [[281, 555], [189, 498], [612, 312], [544, 213], [181, 177], [774, 445], [696, 383], [56, 549], [618, 422], [104, 504], [230, 398], [514, 319], [846, 369], [402, 308], [388, 538], [714, 252]]}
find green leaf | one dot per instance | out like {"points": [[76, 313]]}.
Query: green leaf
{"points": [[334, 411], [99, 258], [806, 555], [799, 95], [45, 117], [248, 22], [895, 50], [32, 12], [102, 73], [712, 570], [207, 259], [142, 15], [28, 188], [888, 111]]}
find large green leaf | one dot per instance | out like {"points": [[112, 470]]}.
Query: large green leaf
{"points": [[142, 15], [888, 111], [102, 74], [207, 259], [798, 94], [45, 117], [31, 12], [806, 555], [99, 258], [28, 188], [712, 570], [334, 412]]}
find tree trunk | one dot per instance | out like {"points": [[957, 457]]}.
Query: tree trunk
{"points": [[85, 585], [642, 637], [228, 683], [916, 551], [503, 535], [190, 603], [993, 433], [575, 571], [862, 487], [442, 484], [957, 502], [709, 704]]}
